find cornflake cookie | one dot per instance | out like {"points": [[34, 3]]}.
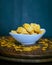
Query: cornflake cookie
{"points": [[21, 30], [28, 28], [13, 31], [36, 27]]}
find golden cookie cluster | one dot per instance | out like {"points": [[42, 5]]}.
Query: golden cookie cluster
{"points": [[26, 28]]}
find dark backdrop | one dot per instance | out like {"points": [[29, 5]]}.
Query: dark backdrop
{"points": [[14, 13]]}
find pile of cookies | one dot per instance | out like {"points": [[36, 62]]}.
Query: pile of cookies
{"points": [[26, 28]]}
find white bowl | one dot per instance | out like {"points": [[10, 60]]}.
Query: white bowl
{"points": [[25, 39]]}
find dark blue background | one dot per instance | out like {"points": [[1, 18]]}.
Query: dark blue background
{"points": [[14, 13]]}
